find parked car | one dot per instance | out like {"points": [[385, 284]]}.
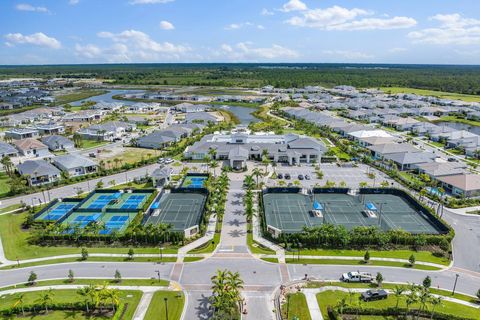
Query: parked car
{"points": [[160, 160], [92, 155], [307, 177], [300, 177], [168, 160], [356, 276], [279, 176], [452, 160], [372, 295], [287, 176]]}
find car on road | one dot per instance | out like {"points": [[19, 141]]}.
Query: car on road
{"points": [[287, 176], [452, 160], [279, 176], [307, 177], [92, 155], [357, 276], [300, 177], [372, 295]]}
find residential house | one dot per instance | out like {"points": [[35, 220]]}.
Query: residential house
{"points": [[7, 150], [58, 143], [75, 165], [408, 160], [467, 185], [108, 131], [38, 172], [200, 117], [381, 150], [21, 133], [440, 169], [32, 148], [49, 128]]}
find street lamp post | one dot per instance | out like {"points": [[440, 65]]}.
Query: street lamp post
{"points": [[158, 274], [288, 304], [161, 254], [455, 284], [166, 307]]}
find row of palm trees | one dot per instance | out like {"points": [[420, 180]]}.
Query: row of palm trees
{"points": [[95, 296], [412, 294], [226, 298]]}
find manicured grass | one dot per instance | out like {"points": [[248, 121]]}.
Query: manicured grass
{"points": [[87, 144], [133, 185], [192, 259], [130, 155], [66, 296], [10, 208], [91, 259], [15, 242], [4, 184], [60, 315], [425, 256], [77, 95], [175, 303], [297, 307], [440, 94], [255, 247], [208, 247], [359, 262], [153, 282], [331, 298], [340, 154], [272, 260]]}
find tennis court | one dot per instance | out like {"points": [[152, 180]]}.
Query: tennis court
{"points": [[116, 221], [98, 201], [57, 211], [131, 201], [181, 210], [192, 181], [291, 212], [81, 219]]}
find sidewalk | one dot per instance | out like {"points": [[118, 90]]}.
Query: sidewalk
{"points": [[209, 234]]}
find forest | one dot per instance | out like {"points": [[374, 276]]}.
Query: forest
{"points": [[448, 78]]}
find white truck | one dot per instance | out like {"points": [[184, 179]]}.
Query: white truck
{"points": [[357, 276]]}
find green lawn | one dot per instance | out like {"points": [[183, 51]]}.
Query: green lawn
{"points": [[440, 94], [4, 184], [340, 154], [297, 307], [425, 256], [331, 298], [359, 262], [175, 303], [87, 144], [10, 208], [153, 282], [15, 243], [272, 260], [208, 247], [77, 95], [59, 315], [255, 247], [65, 296]]}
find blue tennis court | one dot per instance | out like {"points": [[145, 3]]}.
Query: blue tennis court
{"points": [[57, 211], [115, 223], [194, 181], [83, 220], [103, 200], [133, 202]]}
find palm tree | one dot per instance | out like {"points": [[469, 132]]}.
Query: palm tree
{"points": [[257, 173], [112, 294], [46, 298], [342, 304], [249, 182], [20, 300], [435, 302], [412, 297], [398, 292], [87, 293], [7, 164], [213, 165]]}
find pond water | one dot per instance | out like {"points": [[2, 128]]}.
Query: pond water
{"points": [[107, 97], [244, 114], [460, 126]]}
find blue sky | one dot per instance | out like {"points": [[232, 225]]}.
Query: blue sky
{"points": [[367, 31]]}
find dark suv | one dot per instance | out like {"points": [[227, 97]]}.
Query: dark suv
{"points": [[372, 295]]}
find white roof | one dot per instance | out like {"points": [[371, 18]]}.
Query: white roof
{"points": [[370, 133]]}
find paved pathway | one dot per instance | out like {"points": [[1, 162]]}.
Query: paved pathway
{"points": [[313, 307], [142, 306]]}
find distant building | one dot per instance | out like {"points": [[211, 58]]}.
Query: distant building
{"points": [[38, 172]]}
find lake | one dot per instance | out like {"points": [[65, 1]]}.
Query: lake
{"points": [[460, 126], [244, 114]]}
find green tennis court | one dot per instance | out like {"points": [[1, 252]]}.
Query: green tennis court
{"points": [[290, 212], [181, 210]]}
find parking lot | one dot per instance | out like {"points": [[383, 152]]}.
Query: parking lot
{"points": [[352, 176]]}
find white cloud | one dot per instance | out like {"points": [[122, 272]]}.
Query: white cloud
{"points": [[150, 1], [165, 25], [452, 29], [244, 51], [348, 55], [29, 7], [236, 26], [343, 19], [38, 39], [397, 50], [266, 12], [294, 5], [73, 2], [131, 45]]}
